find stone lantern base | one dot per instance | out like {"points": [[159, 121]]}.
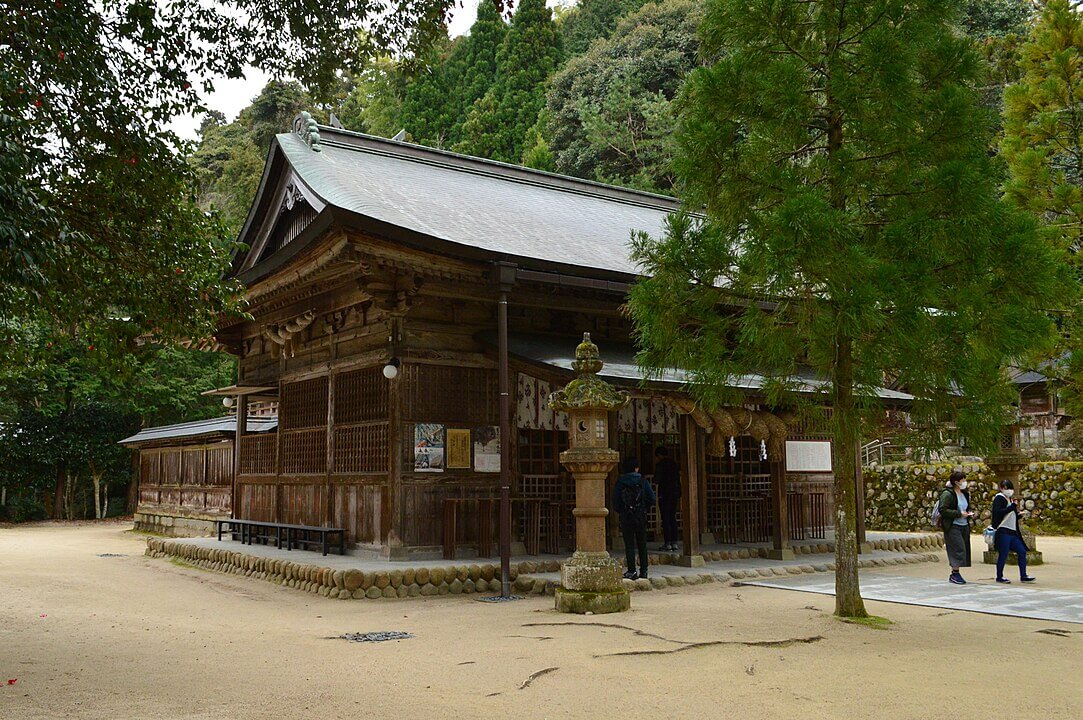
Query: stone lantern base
{"points": [[591, 582]]}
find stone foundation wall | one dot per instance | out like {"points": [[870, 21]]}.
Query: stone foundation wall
{"points": [[174, 524], [900, 497], [467, 579], [355, 584]]}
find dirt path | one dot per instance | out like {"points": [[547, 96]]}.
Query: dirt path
{"points": [[130, 637]]}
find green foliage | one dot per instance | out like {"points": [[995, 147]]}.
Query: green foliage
{"points": [[66, 403], [374, 103], [1043, 124], [428, 105], [847, 225], [538, 154], [228, 162], [98, 211], [996, 18], [612, 118], [498, 123], [1043, 148], [591, 20]]}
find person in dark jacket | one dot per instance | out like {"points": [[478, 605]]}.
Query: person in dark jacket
{"points": [[632, 495], [667, 478], [955, 514], [1008, 537]]}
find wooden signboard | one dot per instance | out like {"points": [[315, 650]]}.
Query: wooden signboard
{"points": [[458, 449]]}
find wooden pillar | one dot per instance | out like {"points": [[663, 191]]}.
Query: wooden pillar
{"points": [[615, 539], [392, 508], [242, 428], [329, 440], [691, 473], [780, 536]]}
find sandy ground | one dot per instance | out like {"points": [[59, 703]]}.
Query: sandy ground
{"points": [[131, 637]]}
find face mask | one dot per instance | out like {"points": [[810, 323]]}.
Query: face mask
{"points": [[963, 485], [1009, 493]]}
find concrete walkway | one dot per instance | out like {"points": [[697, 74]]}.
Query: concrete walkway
{"points": [[1012, 600]]}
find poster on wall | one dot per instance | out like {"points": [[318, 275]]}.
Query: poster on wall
{"points": [[458, 449], [487, 449], [808, 456], [428, 447]]}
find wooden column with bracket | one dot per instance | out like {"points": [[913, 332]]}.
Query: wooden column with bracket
{"points": [[780, 535]]}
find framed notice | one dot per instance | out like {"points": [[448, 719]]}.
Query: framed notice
{"points": [[458, 449], [487, 449], [428, 447], [808, 455]]}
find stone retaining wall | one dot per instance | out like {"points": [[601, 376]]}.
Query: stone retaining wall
{"points": [[174, 525], [900, 497], [467, 579], [355, 584]]}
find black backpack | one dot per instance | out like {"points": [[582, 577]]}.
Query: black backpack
{"points": [[631, 501]]}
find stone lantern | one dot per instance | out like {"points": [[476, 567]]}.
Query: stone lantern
{"points": [[1006, 464], [590, 581]]}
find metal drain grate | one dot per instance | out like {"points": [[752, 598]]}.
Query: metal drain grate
{"points": [[499, 598], [111, 555], [375, 636]]}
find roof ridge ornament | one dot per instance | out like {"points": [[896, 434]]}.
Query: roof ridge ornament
{"points": [[306, 127]]}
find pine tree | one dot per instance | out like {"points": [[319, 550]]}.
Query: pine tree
{"points": [[498, 124], [428, 107], [592, 20], [842, 218], [472, 65], [1043, 123], [1043, 147]]}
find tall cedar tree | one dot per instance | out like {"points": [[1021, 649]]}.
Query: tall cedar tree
{"points": [[428, 104], [842, 219], [591, 20], [610, 109], [500, 121], [1043, 144], [472, 65]]}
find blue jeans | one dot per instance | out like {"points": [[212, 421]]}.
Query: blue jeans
{"points": [[1007, 542]]}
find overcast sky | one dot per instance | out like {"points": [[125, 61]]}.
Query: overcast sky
{"points": [[232, 96]]}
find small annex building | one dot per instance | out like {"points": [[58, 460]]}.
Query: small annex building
{"points": [[367, 258]]}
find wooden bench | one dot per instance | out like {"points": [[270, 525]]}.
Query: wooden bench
{"points": [[293, 535]]}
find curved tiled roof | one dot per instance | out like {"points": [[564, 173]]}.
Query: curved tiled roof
{"points": [[510, 212]]}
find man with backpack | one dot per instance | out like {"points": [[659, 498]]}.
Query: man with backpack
{"points": [[632, 496]]}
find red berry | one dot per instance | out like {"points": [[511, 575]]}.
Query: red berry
{"points": [[187, 85], [61, 54], [89, 347], [178, 271], [37, 103], [132, 160]]}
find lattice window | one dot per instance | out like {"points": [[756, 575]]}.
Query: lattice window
{"points": [[454, 395], [360, 395], [361, 448], [304, 452], [258, 454], [539, 451], [303, 404]]}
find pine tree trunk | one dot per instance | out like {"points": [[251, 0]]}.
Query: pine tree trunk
{"points": [[848, 602]]}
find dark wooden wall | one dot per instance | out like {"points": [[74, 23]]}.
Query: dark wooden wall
{"points": [[193, 478]]}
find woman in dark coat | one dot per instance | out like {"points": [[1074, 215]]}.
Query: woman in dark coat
{"points": [[1009, 536], [955, 514]]}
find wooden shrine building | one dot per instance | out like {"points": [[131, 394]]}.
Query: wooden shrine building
{"points": [[368, 258]]}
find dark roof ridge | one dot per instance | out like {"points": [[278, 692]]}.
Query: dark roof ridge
{"points": [[493, 168]]}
